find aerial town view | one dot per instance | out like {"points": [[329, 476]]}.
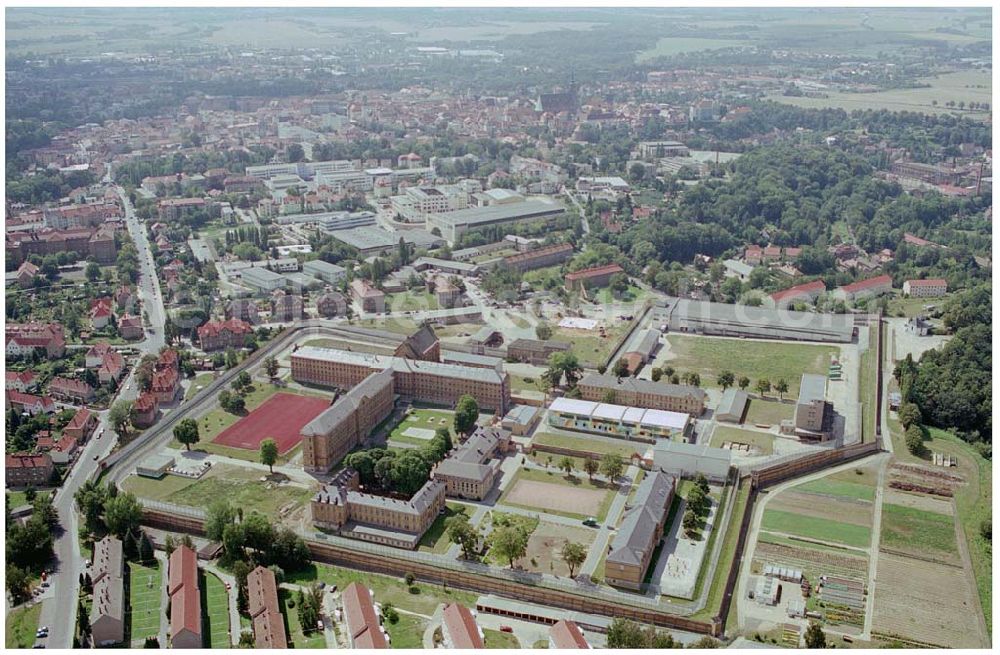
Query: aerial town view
{"points": [[510, 328]]}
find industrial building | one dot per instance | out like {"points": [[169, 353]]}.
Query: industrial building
{"points": [[329, 273], [453, 224], [372, 240], [719, 319], [633, 423], [262, 280]]}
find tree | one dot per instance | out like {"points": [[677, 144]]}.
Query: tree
{"points": [[909, 414], [247, 640], [915, 440], [781, 386], [762, 386], [618, 284], [573, 554], [743, 382], [18, 583], [186, 432], [815, 638], [509, 543], [697, 500], [566, 464], [621, 368], [461, 532], [656, 373], [219, 515], [563, 364], [145, 548], [543, 331], [119, 416], [701, 482], [625, 633], [690, 523], [466, 414], [612, 466], [591, 466], [726, 379], [271, 367], [269, 453], [123, 515], [92, 272], [294, 153]]}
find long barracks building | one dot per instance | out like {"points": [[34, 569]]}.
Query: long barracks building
{"points": [[432, 382]]}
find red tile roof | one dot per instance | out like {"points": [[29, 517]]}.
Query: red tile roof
{"points": [[23, 461], [182, 588], [234, 325], [870, 283], [262, 604], [816, 286], [79, 419], [360, 617], [462, 628], [567, 634], [594, 272], [30, 400]]}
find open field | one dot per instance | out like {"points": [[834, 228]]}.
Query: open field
{"points": [[588, 345], [21, 625], [576, 496], [909, 307], [215, 608], [760, 443], [963, 86], [586, 445], [830, 486], [397, 324], [919, 533], [407, 632], [816, 528], [768, 412], [633, 294], [280, 418], [709, 356], [494, 639], [200, 381], [456, 329], [435, 540], [411, 301], [241, 487], [315, 639], [545, 547], [145, 589], [17, 498], [421, 598], [924, 601]]}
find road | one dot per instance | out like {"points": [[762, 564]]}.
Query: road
{"points": [[583, 212], [61, 599]]}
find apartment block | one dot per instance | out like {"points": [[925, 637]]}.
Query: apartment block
{"points": [[264, 609], [592, 278], [632, 548], [930, 288], [345, 424], [26, 470], [539, 258], [472, 468], [368, 297]]}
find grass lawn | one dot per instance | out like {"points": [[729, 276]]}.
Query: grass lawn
{"points": [[425, 419], [399, 325], [21, 625], [145, 589], [816, 528], [497, 639], [543, 278], [587, 445], [709, 356], [910, 307], [215, 608], [579, 480], [867, 383], [768, 412], [314, 639], [17, 498], [241, 487], [410, 301], [588, 345], [713, 600], [435, 540], [456, 329], [521, 383], [632, 295], [832, 487], [422, 598], [407, 632], [197, 384], [919, 531], [763, 443]]}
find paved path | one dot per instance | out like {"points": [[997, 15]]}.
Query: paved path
{"points": [[605, 531]]}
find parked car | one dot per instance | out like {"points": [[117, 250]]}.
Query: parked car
{"points": [[506, 628]]}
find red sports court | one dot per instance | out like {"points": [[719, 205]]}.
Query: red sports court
{"points": [[279, 418]]}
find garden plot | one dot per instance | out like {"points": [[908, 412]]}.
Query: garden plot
{"points": [[929, 603], [919, 533]]}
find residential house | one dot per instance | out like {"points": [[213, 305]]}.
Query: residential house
{"points": [[930, 288], [23, 381], [27, 470], [144, 410], [219, 335], [71, 390], [29, 403], [81, 425], [130, 327]]}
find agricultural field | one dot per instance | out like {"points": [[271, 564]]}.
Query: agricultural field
{"points": [[918, 532], [676, 45], [908, 604], [145, 592], [242, 487], [555, 492], [215, 608], [821, 529], [709, 356], [760, 443], [964, 86], [768, 412]]}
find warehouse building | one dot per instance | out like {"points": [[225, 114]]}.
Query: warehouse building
{"points": [[687, 460], [733, 406], [373, 240], [452, 225], [329, 273], [719, 319], [262, 280]]}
